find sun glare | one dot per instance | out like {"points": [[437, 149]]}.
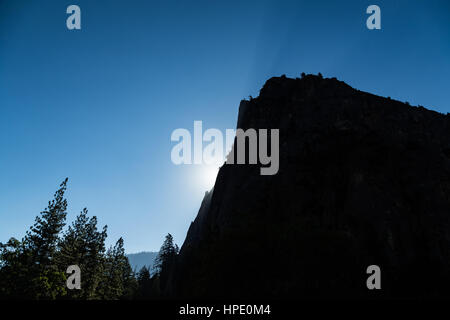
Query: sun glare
{"points": [[207, 176]]}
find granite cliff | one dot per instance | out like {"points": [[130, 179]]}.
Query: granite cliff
{"points": [[362, 180]]}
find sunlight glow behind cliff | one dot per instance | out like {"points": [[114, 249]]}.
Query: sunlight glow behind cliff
{"points": [[206, 177]]}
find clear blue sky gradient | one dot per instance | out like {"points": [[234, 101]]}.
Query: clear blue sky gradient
{"points": [[99, 105]]}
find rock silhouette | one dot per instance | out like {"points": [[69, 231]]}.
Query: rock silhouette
{"points": [[363, 180]]}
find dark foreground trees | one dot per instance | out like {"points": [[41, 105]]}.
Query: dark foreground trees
{"points": [[35, 267], [166, 255], [84, 245], [27, 266]]}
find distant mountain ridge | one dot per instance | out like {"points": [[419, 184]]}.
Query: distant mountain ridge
{"points": [[140, 259]]}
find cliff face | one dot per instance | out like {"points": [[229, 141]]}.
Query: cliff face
{"points": [[362, 180]]}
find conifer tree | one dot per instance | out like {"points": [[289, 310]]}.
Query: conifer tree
{"points": [[144, 283], [166, 255], [46, 281], [27, 266], [84, 245], [119, 281], [13, 269], [42, 238]]}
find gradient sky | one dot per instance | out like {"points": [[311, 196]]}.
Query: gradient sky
{"points": [[99, 105]]}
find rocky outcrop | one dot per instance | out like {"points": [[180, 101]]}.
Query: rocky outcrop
{"points": [[362, 180]]}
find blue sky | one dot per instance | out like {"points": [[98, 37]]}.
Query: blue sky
{"points": [[98, 105]]}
